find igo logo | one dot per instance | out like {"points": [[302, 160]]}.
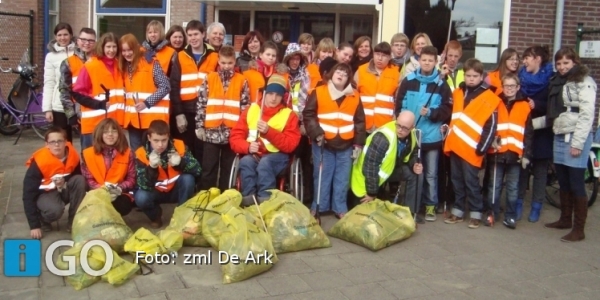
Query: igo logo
{"points": [[22, 258]]}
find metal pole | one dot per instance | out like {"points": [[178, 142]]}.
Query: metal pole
{"points": [[31, 36], [579, 36], [558, 24]]}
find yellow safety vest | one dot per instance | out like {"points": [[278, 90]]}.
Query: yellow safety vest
{"points": [[460, 77], [276, 122]]}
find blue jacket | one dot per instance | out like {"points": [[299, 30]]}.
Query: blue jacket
{"points": [[416, 91]]}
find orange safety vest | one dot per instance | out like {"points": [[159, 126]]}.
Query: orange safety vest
{"points": [[256, 83], [166, 178], [99, 75], [336, 119], [193, 75], [496, 81], [118, 168], [377, 95], [314, 75], [141, 86], [511, 127], [223, 107], [50, 166], [164, 57], [467, 124], [75, 64]]}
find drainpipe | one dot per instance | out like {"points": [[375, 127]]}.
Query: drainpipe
{"points": [[203, 12], [560, 10], [45, 28]]}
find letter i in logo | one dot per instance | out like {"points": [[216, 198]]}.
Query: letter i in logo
{"points": [[22, 258]]}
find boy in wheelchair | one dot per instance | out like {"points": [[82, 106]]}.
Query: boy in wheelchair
{"points": [[265, 136]]}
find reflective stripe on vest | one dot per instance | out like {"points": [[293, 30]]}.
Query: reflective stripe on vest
{"points": [[118, 167], [192, 75], [140, 87], [467, 124], [276, 122], [223, 107], [377, 95], [333, 119], [511, 127], [166, 178], [51, 166]]}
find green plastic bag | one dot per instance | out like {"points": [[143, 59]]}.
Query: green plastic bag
{"points": [[97, 219], [80, 279], [246, 241], [187, 218], [144, 241], [290, 224], [375, 225]]}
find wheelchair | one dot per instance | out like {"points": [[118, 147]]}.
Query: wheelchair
{"points": [[289, 180]]}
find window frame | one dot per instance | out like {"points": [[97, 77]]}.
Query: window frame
{"points": [[55, 13], [141, 11]]}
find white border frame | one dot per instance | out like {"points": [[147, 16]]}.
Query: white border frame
{"points": [[94, 15]]}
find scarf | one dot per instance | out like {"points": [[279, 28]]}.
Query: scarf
{"points": [[556, 104], [531, 84]]}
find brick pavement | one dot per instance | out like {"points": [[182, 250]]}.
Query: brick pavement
{"points": [[439, 262]]}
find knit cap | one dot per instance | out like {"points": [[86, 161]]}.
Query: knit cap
{"points": [[276, 84]]}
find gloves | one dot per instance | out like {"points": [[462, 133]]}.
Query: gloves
{"points": [[154, 159], [181, 123], [174, 158], [496, 143], [356, 153], [524, 162], [320, 140], [114, 191], [201, 134]]}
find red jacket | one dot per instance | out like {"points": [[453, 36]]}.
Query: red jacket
{"points": [[286, 141]]}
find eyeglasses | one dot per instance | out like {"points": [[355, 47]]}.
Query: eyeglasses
{"points": [[402, 127], [510, 86], [110, 132], [55, 143], [86, 41]]}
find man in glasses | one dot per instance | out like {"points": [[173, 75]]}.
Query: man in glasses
{"points": [[393, 143], [69, 70], [53, 179]]}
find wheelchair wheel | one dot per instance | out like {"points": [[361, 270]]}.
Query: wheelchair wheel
{"points": [[233, 175], [296, 185], [552, 186]]}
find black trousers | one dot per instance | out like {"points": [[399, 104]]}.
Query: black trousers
{"points": [[304, 152], [123, 205], [216, 166], [189, 136], [60, 120], [445, 191]]}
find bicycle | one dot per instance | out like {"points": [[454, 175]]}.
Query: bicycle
{"points": [[592, 174], [23, 108]]}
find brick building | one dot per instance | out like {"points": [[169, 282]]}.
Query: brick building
{"points": [[499, 23]]}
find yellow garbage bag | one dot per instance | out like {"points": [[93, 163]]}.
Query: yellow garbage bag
{"points": [[245, 249], [290, 224], [171, 239], [97, 219], [212, 226], [187, 218], [120, 270], [375, 225], [145, 242], [80, 279]]}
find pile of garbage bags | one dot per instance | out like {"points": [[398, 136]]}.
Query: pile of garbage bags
{"points": [[187, 218], [375, 225]]}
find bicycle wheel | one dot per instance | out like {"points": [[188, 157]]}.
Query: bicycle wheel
{"points": [[552, 187], [8, 123], [39, 123]]}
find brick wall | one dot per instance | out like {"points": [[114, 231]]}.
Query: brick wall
{"points": [[184, 11], [76, 13], [210, 14], [532, 22], [14, 37]]}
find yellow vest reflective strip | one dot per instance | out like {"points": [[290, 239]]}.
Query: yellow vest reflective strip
{"points": [[100, 112], [469, 122], [219, 116], [513, 141], [163, 184], [368, 99], [465, 137], [192, 77], [336, 130], [277, 122], [51, 185]]}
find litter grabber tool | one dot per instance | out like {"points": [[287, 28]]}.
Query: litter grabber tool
{"points": [[136, 100], [417, 198], [107, 98], [397, 194], [491, 219], [317, 213]]}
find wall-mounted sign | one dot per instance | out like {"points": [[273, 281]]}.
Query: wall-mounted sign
{"points": [[589, 49], [277, 37]]}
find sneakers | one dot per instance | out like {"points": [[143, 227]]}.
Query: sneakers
{"points": [[430, 213], [474, 223], [453, 219], [510, 223]]}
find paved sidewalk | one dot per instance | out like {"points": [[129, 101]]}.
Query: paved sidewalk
{"points": [[440, 261]]}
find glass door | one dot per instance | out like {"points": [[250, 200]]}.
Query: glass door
{"points": [[268, 23]]}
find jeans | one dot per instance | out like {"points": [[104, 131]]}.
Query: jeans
{"points": [[511, 171], [149, 201], [539, 169], [85, 140], [465, 181], [258, 176], [136, 136], [571, 180], [336, 172], [430, 171]]}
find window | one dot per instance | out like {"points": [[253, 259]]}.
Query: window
{"points": [[53, 12], [468, 18], [355, 26], [129, 16]]}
